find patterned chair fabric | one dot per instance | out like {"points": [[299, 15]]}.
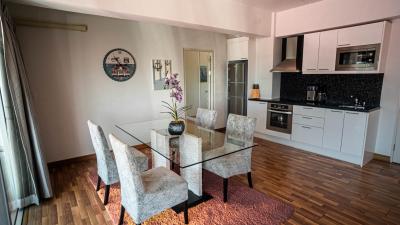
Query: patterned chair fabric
{"points": [[106, 167], [206, 118], [239, 128], [144, 194]]}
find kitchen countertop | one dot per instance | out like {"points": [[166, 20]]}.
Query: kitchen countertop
{"points": [[317, 104]]}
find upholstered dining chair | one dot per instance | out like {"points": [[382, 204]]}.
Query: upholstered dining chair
{"points": [[145, 194], [106, 167], [239, 128], [206, 118]]}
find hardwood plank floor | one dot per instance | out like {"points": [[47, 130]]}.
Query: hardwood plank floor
{"points": [[322, 190]]}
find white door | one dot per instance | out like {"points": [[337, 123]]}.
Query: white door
{"points": [[354, 133], [327, 51], [333, 129], [310, 52], [361, 35], [198, 74]]}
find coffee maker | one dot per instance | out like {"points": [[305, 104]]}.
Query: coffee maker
{"points": [[312, 93]]}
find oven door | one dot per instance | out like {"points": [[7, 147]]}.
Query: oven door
{"points": [[364, 58], [280, 121]]}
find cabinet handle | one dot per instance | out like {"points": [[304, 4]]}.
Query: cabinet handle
{"points": [[323, 69], [311, 69], [306, 117], [336, 111], [307, 108], [306, 127], [262, 103], [354, 113], [343, 45]]}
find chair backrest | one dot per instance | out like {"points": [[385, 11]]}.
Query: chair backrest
{"points": [[206, 118], [103, 154], [240, 127], [129, 174]]}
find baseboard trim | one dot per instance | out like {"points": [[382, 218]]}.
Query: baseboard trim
{"points": [[65, 162], [382, 157]]}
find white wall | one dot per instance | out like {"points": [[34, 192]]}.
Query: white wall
{"points": [[69, 85], [222, 15], [390, 94], [329, 14]]}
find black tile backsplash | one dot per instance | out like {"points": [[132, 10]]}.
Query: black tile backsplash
{"points": [[338, 87]]}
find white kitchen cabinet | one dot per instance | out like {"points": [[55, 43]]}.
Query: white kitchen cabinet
{"points": [[238, 49], [310, 52], [309, 111], [258, 110], [327, 51], [307, 134], [361, 35], [333, 129], [354, 130], [308, 120]]}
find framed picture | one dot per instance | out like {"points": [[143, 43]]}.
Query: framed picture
{"points": [[161, 69], [203, 73]]}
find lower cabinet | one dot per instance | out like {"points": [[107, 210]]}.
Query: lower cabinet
{"points": [[333, 129], [258, 110], [354, 132], [307, 134]]}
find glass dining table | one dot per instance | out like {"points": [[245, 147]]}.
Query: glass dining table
{"points": [[187, 152]]}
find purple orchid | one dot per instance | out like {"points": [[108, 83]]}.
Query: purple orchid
{"points": [[176, 95]]}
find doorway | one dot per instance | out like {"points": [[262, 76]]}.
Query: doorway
{"points": [[198, 75]]}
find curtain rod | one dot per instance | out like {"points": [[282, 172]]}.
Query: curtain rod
{"points": [[51, 25]]}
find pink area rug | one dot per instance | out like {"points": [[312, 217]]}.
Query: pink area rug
{"points": [[244, 206]]}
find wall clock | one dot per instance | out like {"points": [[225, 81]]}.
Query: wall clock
{"points": [[119, 64]]}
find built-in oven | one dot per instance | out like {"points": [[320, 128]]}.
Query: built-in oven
{"points": [[280, 117], [358, 58]]}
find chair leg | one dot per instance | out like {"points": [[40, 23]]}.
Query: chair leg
{"points": [[121, 215], [225, 189], [249, 179], [98, 183], [106, 194], [185, 212]]}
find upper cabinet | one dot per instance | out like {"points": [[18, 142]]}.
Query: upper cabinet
{"points": [[361, 35], [238, 49], [327, 51], [310, 52], [319, 52], [338, 51]]}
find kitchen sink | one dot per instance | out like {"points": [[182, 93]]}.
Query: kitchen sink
{"points": [[352, 106]]}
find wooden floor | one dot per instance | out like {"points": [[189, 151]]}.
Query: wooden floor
{"points": [[322, 190]]}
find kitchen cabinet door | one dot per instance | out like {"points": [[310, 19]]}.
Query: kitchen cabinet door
{"points": [[307, 134], [258, 110], [238, 49], [333, 129], [354, 128], [361, 35], [327, 51], [310, 53]]}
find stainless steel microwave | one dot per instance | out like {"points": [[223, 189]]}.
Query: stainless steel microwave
{"points": [[358, 58]]}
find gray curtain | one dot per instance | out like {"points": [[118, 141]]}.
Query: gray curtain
{"points": [[30, 177]]}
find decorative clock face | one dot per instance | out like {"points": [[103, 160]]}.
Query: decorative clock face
{"points": [[119, 64]]}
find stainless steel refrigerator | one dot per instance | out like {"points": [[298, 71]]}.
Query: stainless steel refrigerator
{"points": [[237, 87]]}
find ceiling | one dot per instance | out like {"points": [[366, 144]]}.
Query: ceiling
{"points": [[276, 5]]}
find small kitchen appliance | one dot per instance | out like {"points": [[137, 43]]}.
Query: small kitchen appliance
{"points": [[312, 93]]}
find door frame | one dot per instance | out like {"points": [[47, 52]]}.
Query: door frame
{"points": [[396, 132], [211, 86]]}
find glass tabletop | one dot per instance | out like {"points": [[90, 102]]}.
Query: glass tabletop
{"points": [[214, 144]]}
